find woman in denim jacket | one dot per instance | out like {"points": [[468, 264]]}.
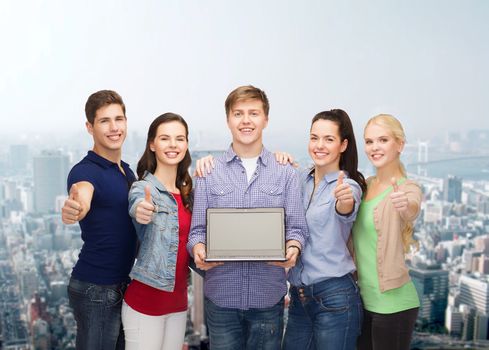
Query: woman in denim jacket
{"points": [[154, 312]]}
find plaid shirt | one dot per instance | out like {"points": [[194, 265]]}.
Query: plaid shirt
{"points": [[245, 285]]}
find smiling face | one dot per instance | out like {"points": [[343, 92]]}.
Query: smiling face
{"points": [[246, 120], [381, 147], [325, 145], [108, 130], [170, 144]]}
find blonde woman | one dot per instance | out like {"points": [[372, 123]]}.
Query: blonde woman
{"points": [[382, 234]]}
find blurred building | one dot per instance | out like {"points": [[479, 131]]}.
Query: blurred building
{"points": [[452, 189], [432, 287], [50, 173], [18, 159]]}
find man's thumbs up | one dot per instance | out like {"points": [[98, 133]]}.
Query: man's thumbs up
{"points": [[72, 208], [74, 192]]}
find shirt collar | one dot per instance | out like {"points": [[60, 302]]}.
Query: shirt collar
{"points": [[263, 157], [154, 181], [104, 162], [330, 177]]}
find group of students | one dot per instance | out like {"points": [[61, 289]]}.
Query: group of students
{"points": [[346, 237]]}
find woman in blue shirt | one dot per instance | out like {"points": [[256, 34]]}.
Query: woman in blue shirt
{"points": [[325, 310]]}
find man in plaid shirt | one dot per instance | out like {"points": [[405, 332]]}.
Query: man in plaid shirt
{"points": [[245, 300]]}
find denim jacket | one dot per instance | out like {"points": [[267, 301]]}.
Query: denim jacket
{"points": [[156, 260]]}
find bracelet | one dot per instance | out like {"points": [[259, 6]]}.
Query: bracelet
{"points": [[294, 246]]}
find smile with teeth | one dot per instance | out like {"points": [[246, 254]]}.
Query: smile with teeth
{"points": [[114, 137], [246, 130], [171, 154], [320, 154], [376, 156]]}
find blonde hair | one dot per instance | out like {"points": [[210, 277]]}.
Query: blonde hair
{"points": [[394, 126], [248, 92], [391, 124]]}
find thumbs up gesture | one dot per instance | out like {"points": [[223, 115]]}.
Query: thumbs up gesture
{"points": [[145, 208], [344, 195], [398, 198], [72, 208]]}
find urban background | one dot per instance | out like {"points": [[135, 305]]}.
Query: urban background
{"points": [[425, 62], [450, 269]]}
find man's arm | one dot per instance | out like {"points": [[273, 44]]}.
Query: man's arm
{"points": [[196, 245], [296, 232], [78, 203]]}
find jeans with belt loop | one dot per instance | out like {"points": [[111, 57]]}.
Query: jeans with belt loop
{"points": [[97, 311], [253, 329], [325, 315]]}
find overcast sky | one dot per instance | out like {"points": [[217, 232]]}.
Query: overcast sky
{"points": [[426, 62]]}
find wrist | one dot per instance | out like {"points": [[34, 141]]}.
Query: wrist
{"points": [[296, 247], [344, 209]]}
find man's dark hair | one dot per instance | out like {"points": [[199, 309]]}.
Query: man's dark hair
{"points": [[101, 99]]}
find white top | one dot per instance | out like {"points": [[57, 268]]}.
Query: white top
{"points": [[250, 166]]}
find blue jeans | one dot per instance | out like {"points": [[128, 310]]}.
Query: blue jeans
{"points": [[326, 315], [97, 310], [253, 329]]}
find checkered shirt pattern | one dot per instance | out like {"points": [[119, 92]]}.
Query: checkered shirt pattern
{"points": [[247, 285]]}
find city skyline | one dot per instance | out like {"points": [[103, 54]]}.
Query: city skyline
{"points": [[424, 62]]}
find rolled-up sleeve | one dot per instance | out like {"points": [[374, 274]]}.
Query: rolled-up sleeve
{"points": [[198, 227], [295, 219], [357, 196]]}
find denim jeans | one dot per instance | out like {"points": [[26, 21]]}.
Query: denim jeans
{"points": [[253, 329], [97, 310], [326, 315]]}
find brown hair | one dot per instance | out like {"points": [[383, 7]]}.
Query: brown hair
{"points": [[349, 158], [101, 99], [148, 159], [247, 92]]}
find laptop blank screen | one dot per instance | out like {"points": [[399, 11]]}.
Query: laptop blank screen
{"points": [[245, 234]]}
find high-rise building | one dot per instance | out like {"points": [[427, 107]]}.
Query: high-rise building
{"points": [[452, 189], [432, 287], [474, 292], [433, 212], [468, 316], [480, 326], [453, 320], [50, 172]]}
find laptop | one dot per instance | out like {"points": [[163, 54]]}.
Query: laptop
{"points": [[245, 234]]}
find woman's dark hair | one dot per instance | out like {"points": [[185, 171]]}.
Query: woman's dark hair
{"points": [[148, 159], [349, 158]]}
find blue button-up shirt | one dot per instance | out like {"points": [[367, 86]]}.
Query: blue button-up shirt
{"points": [[326, 254], [245, 285]]}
